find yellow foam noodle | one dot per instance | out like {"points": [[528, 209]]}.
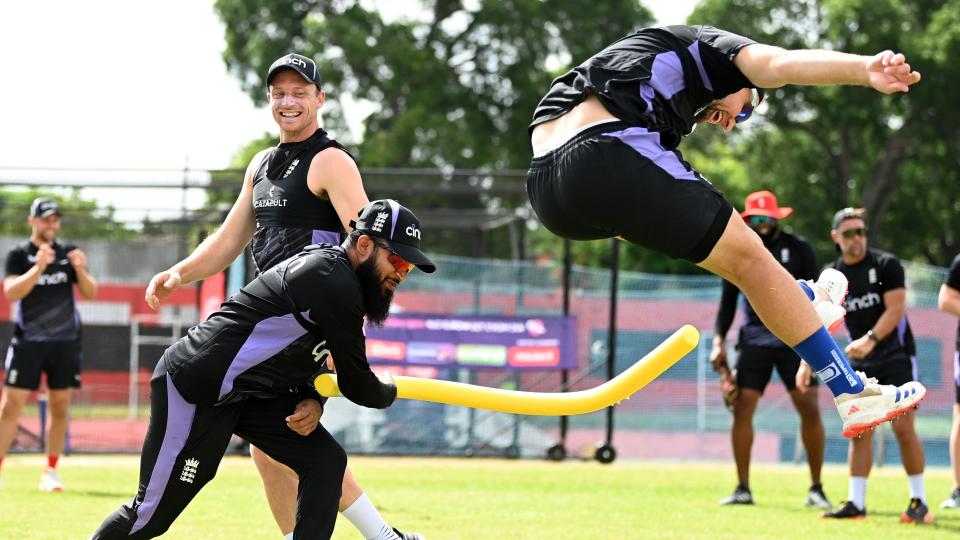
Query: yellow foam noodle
{"points": [[609, 393]]}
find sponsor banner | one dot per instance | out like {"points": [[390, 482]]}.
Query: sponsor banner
{"points": [[474, 341]]}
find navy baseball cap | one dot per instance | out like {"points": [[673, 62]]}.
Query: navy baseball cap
{"points": [[848, 213], [303, 65], [42, 208], [387, 219]]}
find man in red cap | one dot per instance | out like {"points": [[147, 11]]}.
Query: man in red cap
{"points": [[760, 351]]}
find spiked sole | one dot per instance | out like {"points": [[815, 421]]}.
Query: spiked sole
{"points": [[855, 430]]}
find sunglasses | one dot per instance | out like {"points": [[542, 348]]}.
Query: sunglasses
{"points": [[747, 111], [398, 262], [760, 220], [857, 231]]}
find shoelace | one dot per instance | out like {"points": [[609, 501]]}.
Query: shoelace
{"points": [[867, 380]]}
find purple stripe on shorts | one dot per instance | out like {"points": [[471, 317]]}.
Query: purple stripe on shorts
{"points": [[647, 144], [395, 211], [325, 237], [902, 329], [179, 420], [914, 368], [694, 50], [268, 338]]}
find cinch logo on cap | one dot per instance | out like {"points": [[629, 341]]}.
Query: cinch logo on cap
{"points": [[413, 231], [294, 60]]}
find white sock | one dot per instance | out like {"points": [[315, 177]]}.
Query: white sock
{"points": [[858, 491], [917, 490], [288, 536], [364, 516]]}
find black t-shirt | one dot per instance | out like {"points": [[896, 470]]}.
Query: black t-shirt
{"points": [[289, 215], [869, 279], [48, 312], [796, 255], [953, 281], [656, 78], [255, 346]]}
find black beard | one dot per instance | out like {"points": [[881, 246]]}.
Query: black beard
{"points": [[375, 301], [771, 235]]}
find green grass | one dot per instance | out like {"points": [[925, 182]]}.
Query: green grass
{"points": [[451, 499]]}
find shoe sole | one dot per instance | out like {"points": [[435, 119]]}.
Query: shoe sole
{"points": [[855, 430], [907, 519], [855, 518], [52, 490]]}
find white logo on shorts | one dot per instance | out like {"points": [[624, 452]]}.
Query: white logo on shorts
{"points": [[189, 470], [13, 376]]}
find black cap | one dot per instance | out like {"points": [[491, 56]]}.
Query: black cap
{"points": [[42, 208], [848, 213], [303, 65], [387, 219]]}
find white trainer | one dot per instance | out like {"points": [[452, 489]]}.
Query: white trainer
{"points": [[50, 481], [876, 404], [829, 292]]}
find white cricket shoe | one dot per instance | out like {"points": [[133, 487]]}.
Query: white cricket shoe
{"points": [[876, 404], [50, 481], [829, 292]]}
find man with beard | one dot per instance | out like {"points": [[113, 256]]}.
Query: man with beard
{"points": [[303, 191], [222, 377], [881, 346], [40, 277], [760, 351]]}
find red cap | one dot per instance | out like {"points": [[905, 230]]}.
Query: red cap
{"points": [[764, 203]]}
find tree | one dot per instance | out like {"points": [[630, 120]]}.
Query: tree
{"points": [[454, 84], [82, 219], [823, 148]]}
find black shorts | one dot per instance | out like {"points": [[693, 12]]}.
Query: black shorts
{"points": [[894, 371], [755, 367], [60, 360], [616, 180]]}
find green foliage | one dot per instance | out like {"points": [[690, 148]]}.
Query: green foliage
{"points": [[823, 148], [453, 85], [82, 219]]}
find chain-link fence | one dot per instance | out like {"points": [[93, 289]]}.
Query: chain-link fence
{"points": [[679, 416]]}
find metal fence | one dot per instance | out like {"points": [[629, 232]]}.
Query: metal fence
{"points": [[679, 416]]}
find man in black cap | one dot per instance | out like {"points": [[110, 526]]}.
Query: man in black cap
{"points": [[301, 192], [222, 377], [882, 347], [40, 277]]}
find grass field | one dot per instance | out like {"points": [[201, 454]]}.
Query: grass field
{"points": [[451, 499]]}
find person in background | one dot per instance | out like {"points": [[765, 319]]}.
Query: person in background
{"points": [[40, 277], [760, 352], [949, 301], [304, 191], [882, 347]]}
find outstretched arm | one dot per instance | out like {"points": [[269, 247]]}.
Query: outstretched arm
{"points": [[217, 251], [768, 66]]}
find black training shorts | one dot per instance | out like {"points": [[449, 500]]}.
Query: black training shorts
{"points": [[896, 371], [612, 179], [60, 360], [755, 367]]}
